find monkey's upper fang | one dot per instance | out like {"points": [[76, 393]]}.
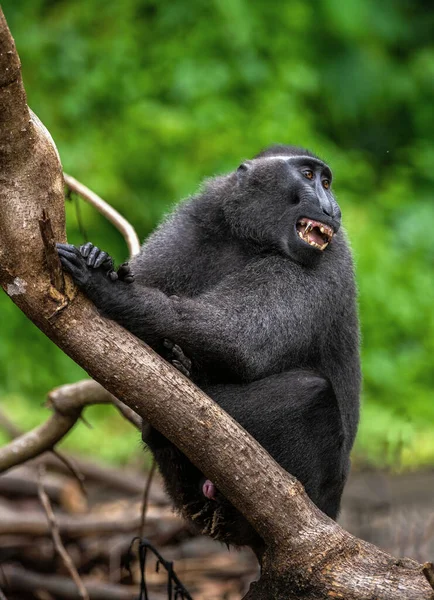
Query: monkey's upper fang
{"points": [[314, 233]]}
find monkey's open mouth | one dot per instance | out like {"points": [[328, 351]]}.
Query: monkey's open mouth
{"points": [[314, 233]]}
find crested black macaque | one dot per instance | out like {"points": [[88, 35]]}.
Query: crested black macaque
{"points": [[253, 280]]}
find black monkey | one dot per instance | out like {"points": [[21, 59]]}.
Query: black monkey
{"points": [[253, 278]]}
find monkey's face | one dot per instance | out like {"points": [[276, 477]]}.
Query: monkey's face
{"points": [[285, 204]]}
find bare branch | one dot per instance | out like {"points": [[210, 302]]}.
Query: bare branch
{"points": [[77, 526], [90, 392], [20, 580], [38, 440], [57, 541], [146, 498], [126, 229], [68, 402]]}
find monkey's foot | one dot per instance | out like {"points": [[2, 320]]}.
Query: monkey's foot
{"points": [[177, 358]]}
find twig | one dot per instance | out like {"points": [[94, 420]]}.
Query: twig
{"points": [[428, 571], [57, 541], [146, 497], [121, 224], [73, 469]]}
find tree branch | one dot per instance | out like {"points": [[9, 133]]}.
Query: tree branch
{"points": [[306, 553], [67, 401]]}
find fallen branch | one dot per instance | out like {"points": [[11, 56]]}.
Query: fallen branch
{"points": [[23, 481], [76, 526], [18, 580]]}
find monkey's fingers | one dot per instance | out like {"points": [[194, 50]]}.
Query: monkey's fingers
{"points": [[178, 365], [180, 356], [125, 274], [85, 249], [73, 262]]}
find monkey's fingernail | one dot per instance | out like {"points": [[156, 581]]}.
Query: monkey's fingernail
{"points": [[168, 344], [113, 275]]}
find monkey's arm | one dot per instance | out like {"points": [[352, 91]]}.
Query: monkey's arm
{"points": [[230, 326]]}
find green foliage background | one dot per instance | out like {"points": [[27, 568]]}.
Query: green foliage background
{"points": [[144, 99]]}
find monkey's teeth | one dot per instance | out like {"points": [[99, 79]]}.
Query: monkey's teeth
{"points": [[309, 226], [324, 246]]}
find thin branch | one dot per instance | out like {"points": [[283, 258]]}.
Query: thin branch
{"points": [[68, 402], [146, 498], [57, 541], [121, 224], [69, 464], [42, 438], [86, 392]]}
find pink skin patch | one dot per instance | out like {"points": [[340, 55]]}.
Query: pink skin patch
{"points": [[209, 490]]}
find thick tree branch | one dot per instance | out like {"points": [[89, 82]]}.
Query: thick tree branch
{"points": [[306, 554]]}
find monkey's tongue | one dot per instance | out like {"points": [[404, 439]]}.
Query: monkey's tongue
{"points": [[315, 236], [209, 490]]}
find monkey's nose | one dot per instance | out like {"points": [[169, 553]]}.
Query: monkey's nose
{"points": [[326, 205]]}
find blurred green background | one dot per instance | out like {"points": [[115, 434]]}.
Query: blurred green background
{"points": [[144, 99]]}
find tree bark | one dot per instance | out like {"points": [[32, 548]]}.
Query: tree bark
{"points": [[306, 554]]}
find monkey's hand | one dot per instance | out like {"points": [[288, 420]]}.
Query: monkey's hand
{"points": [[177, 358], [94, 256], [86, 263]]}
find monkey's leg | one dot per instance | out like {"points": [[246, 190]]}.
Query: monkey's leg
{"points": [[295, 417]]}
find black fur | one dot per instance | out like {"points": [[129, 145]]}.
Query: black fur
{"points": [[269, 323]]}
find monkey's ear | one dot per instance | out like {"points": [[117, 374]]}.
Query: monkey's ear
{"points": [[243, 169]]}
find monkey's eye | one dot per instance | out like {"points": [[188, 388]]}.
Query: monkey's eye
{"points": [[308, 174], [326, 184]]}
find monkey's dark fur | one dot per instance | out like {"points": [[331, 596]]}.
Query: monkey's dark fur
{"points": [[269, 322]]}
